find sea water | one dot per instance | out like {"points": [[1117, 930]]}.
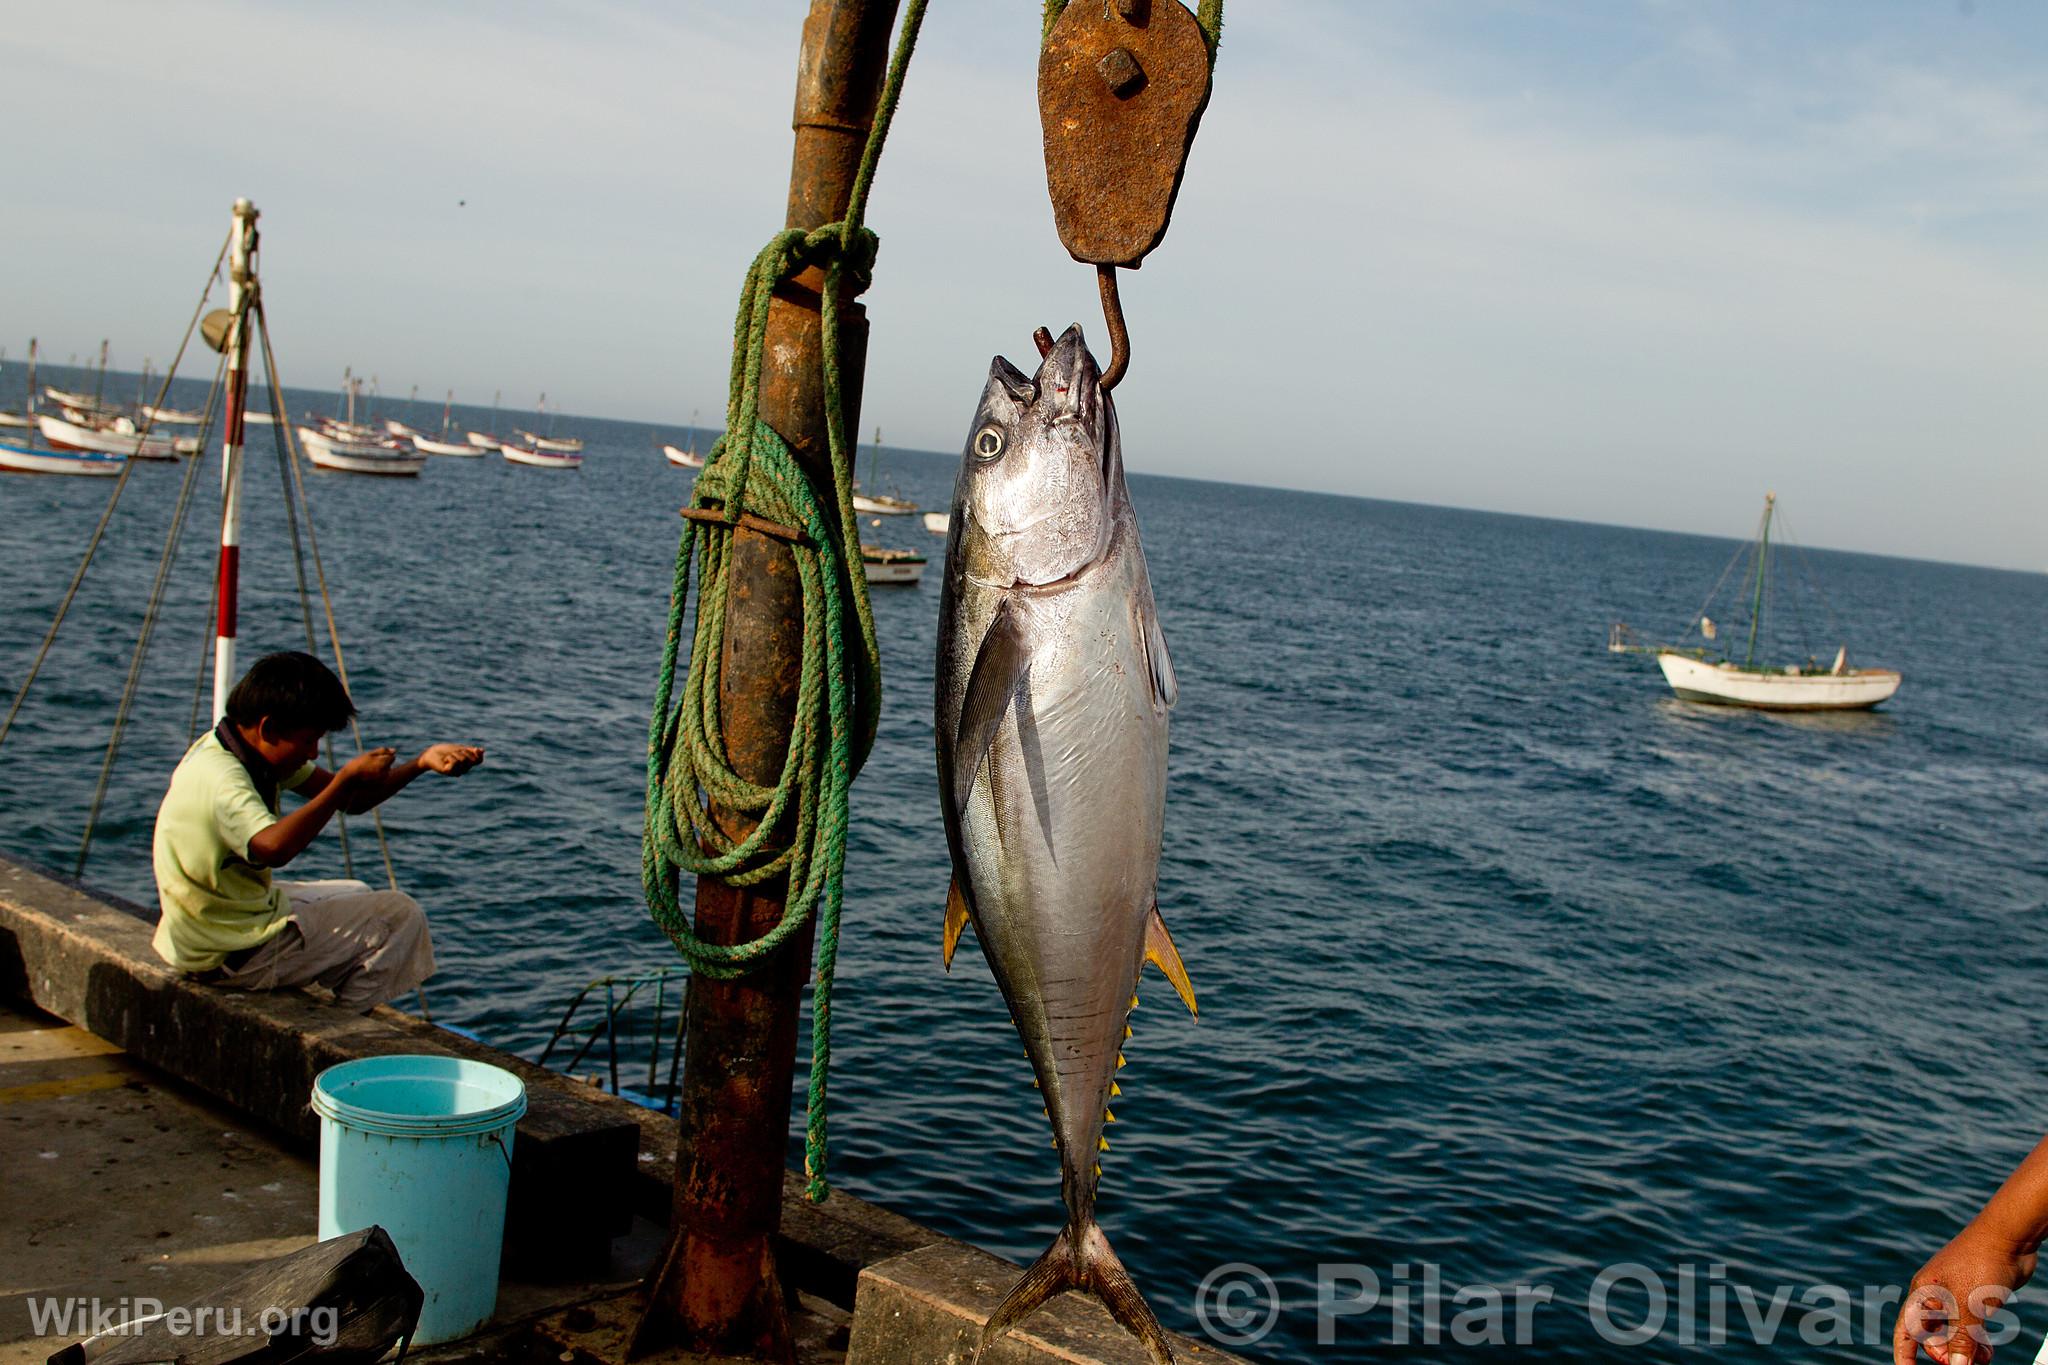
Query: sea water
{"points": [[1518, 977]]}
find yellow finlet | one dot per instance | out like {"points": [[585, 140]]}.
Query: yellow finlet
{"points": [[1108, 1117], [1159, 949], [1104, 1142], [1119, 1061], [956, 918], [1115, 1089]]}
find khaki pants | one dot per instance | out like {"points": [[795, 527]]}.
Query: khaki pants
{"points": [[366, 946]]}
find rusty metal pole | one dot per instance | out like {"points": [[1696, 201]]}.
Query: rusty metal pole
{"points": [[717, 1290]]}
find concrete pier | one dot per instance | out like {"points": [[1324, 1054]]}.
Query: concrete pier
{"points": [[155, 1140]]}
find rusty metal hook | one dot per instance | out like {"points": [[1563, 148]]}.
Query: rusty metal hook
{"points": [[1119, 336]]}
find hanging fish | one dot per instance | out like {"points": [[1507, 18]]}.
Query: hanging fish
{"points": [[1052, 691]]}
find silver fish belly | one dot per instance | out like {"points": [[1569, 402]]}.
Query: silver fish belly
{"points": [[1052, 692]]}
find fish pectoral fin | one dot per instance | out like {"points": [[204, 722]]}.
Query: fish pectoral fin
{"points": [[1159, 949], [1001, 667], [956, 918], [1165, 686]]}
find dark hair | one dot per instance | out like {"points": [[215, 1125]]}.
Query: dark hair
{"points": [[294, 690]]}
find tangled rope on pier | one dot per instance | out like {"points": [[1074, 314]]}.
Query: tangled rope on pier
{"points": [[752, 475]]}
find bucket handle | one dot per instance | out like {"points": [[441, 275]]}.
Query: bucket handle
{"points": [[498, 1141]]}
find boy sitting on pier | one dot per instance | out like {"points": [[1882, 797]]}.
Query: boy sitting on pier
{"points": [[218, 835]]}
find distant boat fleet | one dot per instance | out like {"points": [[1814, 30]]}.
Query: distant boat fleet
{"points": [[85, 435], [68, 431]]}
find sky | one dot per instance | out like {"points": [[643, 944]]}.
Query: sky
{"points": [[1633, 261]]}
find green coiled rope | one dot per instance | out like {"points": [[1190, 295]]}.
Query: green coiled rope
{"points": [[751, 470]]}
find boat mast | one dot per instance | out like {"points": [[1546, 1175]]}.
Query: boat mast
{"points": [[99, 386], [31, 376], [444, 413], [241, 281], [1763, 554]]}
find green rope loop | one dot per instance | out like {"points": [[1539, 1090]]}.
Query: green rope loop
{"points": [[751, 470]]}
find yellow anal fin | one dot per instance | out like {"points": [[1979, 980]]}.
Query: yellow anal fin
{"points": [[956, 919], [1159, 949]]}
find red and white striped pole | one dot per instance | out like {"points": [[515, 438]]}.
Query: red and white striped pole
{"points": [[240, 281]]}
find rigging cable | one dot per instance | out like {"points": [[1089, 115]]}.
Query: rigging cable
{"points": [[297, 489], [180, 514], [92, 545]]}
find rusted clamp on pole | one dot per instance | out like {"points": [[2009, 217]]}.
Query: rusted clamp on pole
{"points": [[714, 515]]}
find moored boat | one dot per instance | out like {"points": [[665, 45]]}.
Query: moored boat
{"points": [[176, 417], [483, 440], [541, 459], [1837, 688], [877, 504], [938, 523], [564, 445], [902, 568], [68, 435], [688, 459], [1700, 673], [18, 457], [426, 445], [357, 457]]}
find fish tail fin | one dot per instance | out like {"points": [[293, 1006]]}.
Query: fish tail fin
{"points": [[1081, 1258], [1051, 1273]]}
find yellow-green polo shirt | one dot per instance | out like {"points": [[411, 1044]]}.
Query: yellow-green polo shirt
{"points": [[215, 901]]}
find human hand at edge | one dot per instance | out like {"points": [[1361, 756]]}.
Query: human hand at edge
{"points": [[1960, 1286]]}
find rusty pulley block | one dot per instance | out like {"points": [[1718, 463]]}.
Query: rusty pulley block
{"points": [[1121, 89]]}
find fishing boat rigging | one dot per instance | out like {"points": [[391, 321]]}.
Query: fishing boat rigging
{"points": [[1708, 672]]}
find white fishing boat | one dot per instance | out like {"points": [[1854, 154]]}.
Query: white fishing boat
{"points": [[1834, 688], [688, 459], [259, 419], [902, 568], [399, 429], [486, 440], [561, 445], [174, 417], [426, 445], [21, 458], [541, 459], [68, 435], [1702, 673], [877, 504], [17, 419], [358, 457], [938, 523], [66, 398]]}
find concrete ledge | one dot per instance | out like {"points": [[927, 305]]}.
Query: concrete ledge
{"points": [[928, 1307], [86, 958]]}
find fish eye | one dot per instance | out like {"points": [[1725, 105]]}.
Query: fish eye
{"points": [[988, 443]]}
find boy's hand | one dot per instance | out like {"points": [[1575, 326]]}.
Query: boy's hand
{"points": [[451, 760], [369, 766], [1952, 1295]]}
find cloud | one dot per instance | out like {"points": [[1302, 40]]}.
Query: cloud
{"points": [[1604, 261]]}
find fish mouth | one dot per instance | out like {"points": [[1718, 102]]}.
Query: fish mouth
{"points": [[1069, 379]]}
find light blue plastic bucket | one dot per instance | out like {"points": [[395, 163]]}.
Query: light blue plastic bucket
{"points": [[422, 1147]]}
